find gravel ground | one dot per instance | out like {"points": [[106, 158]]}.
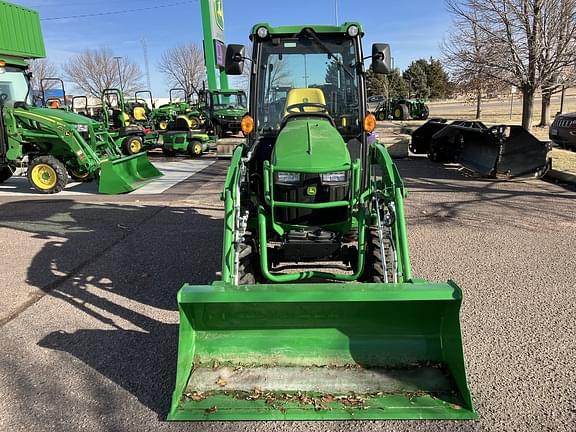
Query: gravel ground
{"points": [[90, 339]]}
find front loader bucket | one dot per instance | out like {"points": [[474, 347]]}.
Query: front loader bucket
{"points": [[320, 352], [126, 174]]}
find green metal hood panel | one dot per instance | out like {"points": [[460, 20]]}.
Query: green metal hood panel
{"points": [[20, 32], [309, 145], [65, 116]]}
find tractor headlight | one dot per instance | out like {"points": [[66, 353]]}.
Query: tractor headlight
{"points": [[287, 178], [353, 31], [82, 128], [262, 32], [334, 177]]}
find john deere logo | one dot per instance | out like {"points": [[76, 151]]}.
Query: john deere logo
{"points": [[219, 13], [311, 191]]}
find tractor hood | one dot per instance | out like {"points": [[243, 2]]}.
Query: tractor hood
{"points": [[65, 116], [310, 145]]}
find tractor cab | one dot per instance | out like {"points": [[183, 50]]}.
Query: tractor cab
{"points": [[225, 109]]}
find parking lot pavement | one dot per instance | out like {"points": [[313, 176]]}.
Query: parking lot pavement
{"points": [[175, 170], [96, 349]]}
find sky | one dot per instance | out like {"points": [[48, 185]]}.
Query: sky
{"points": [[413, 28]]}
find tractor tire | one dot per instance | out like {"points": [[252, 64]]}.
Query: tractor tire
{"points": [[380, 116], [5, 173], [400, 112], [194, 122], [424, 114], [249, 263], [373, 271], [132, 145], [195, 148], [47, 174]]}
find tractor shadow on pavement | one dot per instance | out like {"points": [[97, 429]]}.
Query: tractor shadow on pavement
{"points": [[119, 267]]}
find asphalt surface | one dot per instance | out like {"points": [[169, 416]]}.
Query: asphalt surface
{"points": [[88, 313]]}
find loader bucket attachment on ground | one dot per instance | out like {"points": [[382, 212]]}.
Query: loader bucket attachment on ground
{"points": [[422, 137], [126, 174], [522, 153], [320, 352]]}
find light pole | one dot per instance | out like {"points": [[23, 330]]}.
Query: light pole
{"points": [[119, 73], [336, 11]]}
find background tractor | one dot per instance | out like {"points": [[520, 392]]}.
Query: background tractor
{"points": [[126, 126], [53, 143], [317, 314], [402, 109]]}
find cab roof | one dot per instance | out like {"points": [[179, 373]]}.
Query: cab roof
{"points": [[291, 30]]}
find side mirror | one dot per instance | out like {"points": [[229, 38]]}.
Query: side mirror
{"points": [[381, 59], [235, 59]]}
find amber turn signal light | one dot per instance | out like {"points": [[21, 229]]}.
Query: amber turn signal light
{"points": [[247, 124], [369, 123]]}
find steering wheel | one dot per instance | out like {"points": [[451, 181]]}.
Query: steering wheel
{"points": [[299, 107]]}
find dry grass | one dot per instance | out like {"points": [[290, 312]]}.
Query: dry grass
{"points": [[563, 160]]}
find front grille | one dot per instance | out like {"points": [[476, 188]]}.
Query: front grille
{"points": [[564, 123], [309, 217]]}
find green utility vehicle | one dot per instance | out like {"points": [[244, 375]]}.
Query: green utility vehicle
{"points": [[317, 315], [124, 127], [402, 109], [52, 143], [224, 110], [184, 142]]}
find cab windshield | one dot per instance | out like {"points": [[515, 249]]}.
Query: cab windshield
{"points": [[228, 101], [14, 84], [308, 73]]}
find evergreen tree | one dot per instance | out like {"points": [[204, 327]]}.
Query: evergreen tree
{"points": [[397, 85], [376, 84], [437, 79], [415, 75]]}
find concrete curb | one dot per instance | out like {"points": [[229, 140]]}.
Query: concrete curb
{"points": [[562, 176]]}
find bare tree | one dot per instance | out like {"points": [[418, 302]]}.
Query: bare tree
{"points": [[558, 51], [41, 69], [464, 55], [184, 67], [92, 71], [526, 42]]}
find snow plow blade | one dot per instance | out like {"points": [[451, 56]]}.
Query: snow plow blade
{"points": [[320, 352], [126, 174]]}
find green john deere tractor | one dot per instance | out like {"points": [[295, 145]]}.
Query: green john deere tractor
{"points": [[165, 114], [402, 109], [317, 314], [126, 126], [55, 143], [52, 143]]}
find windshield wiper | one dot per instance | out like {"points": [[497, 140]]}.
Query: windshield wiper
{"points": [[316, 39]]}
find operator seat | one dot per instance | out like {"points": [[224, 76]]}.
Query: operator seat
{"points": [[139, 113], [305, 95]]}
